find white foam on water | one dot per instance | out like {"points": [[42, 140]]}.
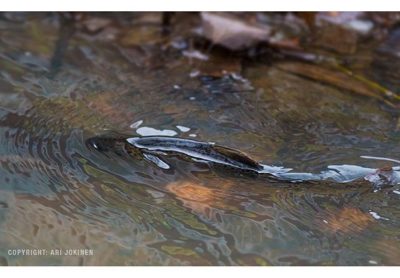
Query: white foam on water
{"points": [[347, 173], [377, 216], [183, 128], [380, 158], [149, 131], [195, 54], [136, 124], [267, 169]]}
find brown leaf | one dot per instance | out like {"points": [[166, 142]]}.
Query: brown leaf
{"points": [[231, 32]]}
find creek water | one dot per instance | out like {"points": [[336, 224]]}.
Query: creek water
{"points": [[61, 84]]}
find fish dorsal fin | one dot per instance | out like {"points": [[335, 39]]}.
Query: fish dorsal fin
{"points": [[156, 160], [236, 156]]}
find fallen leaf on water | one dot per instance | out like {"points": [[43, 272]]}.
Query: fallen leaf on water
{"points": [[232, 32]]}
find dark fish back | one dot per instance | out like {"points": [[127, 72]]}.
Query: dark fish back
{"points": [[237, 158]]}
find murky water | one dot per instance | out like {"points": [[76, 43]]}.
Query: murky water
{"points": [[62, 83]]}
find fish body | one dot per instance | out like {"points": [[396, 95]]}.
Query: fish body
{"points": [[152, 148], [202, 151]]}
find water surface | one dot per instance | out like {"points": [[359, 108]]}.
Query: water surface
{"points": [[62, 83]]}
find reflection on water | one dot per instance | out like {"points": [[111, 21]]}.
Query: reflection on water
{"points": [[57, 193]]}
